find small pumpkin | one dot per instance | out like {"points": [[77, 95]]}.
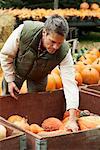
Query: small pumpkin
{"points": [[35, 128], [94, 6], [14, 118], [58, 80], [90, 75], [85, 59], [52, 124], [78, 78], [88, 58], [56, 70], [84, 5], [79, 66], [23, 124], [51, 83], [96, 64], [88, 122], [94, 51]]}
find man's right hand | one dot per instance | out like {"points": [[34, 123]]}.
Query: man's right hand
{"points": [[12, 88]]}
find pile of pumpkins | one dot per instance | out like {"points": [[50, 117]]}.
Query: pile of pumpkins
{"points": [[86, 10], [88, 68], [87, 71], [53, 126], [86, 5]]}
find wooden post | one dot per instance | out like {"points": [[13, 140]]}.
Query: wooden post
{"points": [[56, 3]]}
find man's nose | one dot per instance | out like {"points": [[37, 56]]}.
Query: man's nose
{"points": [[55, 46]]}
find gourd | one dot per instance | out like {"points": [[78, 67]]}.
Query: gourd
{"points": [[52, 124], [2, 131]]}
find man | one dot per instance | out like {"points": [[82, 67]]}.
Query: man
{"points": [[31, 52]]}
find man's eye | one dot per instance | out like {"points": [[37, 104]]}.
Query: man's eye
{"points": [[53, 42]]}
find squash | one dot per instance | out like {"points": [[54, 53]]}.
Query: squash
{"points": [[52, 124], [35, 128], [14, 118], [88, 122], [22, 124], [3, 131]]}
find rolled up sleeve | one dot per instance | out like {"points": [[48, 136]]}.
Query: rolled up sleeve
{"points": [[70, 87]]}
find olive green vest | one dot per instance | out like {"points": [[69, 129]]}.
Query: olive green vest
{"points": [[30, 64]]}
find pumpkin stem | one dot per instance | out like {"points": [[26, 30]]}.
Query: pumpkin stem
{"points": [[98, 61], [90, 69]]}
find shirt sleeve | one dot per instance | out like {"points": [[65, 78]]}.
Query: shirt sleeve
{"points": [[70, 87], [8, 53]]}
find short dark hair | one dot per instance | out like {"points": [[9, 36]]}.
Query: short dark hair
{"points": [[57, 24]]}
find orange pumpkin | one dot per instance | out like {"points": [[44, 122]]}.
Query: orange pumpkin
{"points": [[51, 83], [57, 80], [14, 118], [96, 64], [95, 51], [99, 82], [90, 75], [89, 58], [65, 120], [94, 6], [52, 124], [79, 66], [35, 128], [56, 70], [78, 78], [88, 122], [84, 5], [22, 124]]}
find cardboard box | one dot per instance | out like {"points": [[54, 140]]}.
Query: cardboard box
{"points": [[39, 106]]}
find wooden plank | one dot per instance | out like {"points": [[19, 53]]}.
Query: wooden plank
{"points": [[36, 107], [94, 88], [90, 101], [86, 140]]}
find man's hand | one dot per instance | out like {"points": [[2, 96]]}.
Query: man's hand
{"points": [[71, 124], [12, 88]]}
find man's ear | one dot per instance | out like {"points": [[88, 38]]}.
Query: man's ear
{"points": [[44, 32]]}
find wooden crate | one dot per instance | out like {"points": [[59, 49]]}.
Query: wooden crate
{"points": [[90, 99], [94, 88], [15, 139], [38, 106]]}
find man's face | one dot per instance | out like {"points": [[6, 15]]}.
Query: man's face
{"points": [[52, 41]]}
